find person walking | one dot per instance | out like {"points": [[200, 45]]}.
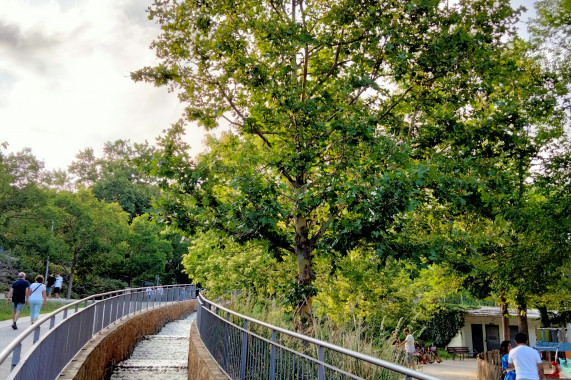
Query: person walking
{"points": [[36, 295], [51, 280], [525, 360], [18, 295], [57, 285], [408, 343]]}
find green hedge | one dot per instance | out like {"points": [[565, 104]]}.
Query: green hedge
{"points": [[444, 326]]}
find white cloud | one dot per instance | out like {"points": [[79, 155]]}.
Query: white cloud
{"points": [[64, 77]]}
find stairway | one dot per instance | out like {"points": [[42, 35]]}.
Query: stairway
{"points": [[160, 356]]}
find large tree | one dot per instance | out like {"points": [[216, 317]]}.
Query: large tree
{"points": [[114, 177], [89, 227], [315, 92]]}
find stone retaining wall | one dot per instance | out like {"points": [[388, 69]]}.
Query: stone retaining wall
{"points": [[201, 365], [97, 359]]}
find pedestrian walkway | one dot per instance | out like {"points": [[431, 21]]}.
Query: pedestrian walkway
{"points": [[8, 334], [466, 369]]}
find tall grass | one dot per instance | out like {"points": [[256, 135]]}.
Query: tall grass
{"points": [[371, 340]]}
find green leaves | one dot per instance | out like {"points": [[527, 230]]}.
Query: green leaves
{"points": [[401, 128]]}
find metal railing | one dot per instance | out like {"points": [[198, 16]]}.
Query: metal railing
{"points": [[246, 348], [52, 351]]}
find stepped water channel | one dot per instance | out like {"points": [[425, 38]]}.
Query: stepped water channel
{"points": [[160, 356]]}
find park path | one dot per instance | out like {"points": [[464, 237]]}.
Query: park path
{"points": [[8, 334], [449, 369], [466, 369]]}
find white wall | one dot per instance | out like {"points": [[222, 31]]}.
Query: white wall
{"points": [[464, 336]]}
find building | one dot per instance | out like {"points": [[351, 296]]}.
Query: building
{"points": [[483, 329]]}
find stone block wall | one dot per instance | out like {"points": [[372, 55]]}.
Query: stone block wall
{"points": [[201, 365], [116, 343]]}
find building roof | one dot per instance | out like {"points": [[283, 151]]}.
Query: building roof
{"points": [[489, 311]]}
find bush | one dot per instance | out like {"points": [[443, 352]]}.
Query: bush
{"points": [[444, 326], [95, 285]]}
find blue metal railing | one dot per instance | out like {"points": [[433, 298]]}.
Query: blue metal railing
{"points": [[51, 352], [246, 348]]}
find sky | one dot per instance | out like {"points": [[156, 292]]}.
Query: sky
{"points": [[64, 77]]}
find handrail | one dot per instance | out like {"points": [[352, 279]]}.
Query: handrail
{"points": [[130, 295], [319, 343]]}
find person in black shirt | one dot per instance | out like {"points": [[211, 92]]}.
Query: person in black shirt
{"points": [[51, 280], [18, 295]]}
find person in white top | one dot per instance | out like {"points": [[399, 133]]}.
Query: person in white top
{"points": [[408, 343], [525, 360], [58, 284], [36, 297]]}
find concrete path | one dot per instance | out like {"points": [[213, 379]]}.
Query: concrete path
{"points": [[449, 369], [7, 335], [465, 369]]}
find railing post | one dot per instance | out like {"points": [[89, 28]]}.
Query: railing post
{"points": [[198, 316], [321, 358], [37, 334], [226, 338], [273, 356], [244, 348], [114, 310], [16, 356]]}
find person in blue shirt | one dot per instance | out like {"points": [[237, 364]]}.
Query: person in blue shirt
{"points": [[505, 348]]}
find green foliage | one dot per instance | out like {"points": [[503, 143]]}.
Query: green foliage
{"points": [[295, 294], [381, 157], [444, 326], [147, 252], [366, 288], [326, 101], [551, 36], [91, 284], [223, 266], [114, 176]]}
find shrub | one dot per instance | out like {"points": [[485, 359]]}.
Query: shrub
{"points": [[444, 326], [84, 287]]}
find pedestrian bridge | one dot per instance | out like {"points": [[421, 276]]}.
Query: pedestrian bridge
{"points": [[85, 339]]}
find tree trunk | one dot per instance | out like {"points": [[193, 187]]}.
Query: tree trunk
{"points": [[70, 284], [505, 317], [544, 316], [522, 319], [72, 273], [305, 274]]}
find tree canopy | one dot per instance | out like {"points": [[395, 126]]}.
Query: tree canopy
{"points": [[338, 110]]}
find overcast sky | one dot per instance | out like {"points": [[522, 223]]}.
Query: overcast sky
{"points": [[64, 77]]}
